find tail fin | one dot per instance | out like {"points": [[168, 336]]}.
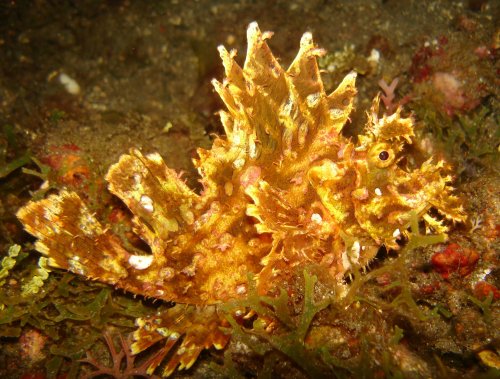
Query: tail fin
{"points": [[74, 240], [163, 207]]}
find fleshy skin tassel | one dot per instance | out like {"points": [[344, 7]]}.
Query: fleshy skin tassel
{"points": [[283, 188]]}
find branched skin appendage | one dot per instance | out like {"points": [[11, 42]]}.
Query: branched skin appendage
{"points": [[283, 188]]}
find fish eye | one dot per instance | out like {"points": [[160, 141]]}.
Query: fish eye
{"points": [[383, 155]]}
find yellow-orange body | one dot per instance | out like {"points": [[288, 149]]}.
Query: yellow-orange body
{"points": [[281, 189]]}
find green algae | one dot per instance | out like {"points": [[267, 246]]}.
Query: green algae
{"points": [[9, 146], [290, 340], [9, 262], [484, 305], [38, 276], [400, 266], [470, 140], [279, 329], [70, 312]]}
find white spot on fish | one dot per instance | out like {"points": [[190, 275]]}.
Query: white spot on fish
{"points": [[137, 179], [252, 148], [241, 289], [346, 263], [239, 163], [155, 158], [140, 262], [335, 113], [355, 250], [147, 203], [174, 336], [313, 100], [316, 217], [378, 192], [286, 108]]}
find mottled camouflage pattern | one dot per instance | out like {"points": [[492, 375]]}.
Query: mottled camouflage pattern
{"points": [[282, 188]]}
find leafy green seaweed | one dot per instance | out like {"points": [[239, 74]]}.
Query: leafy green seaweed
{"points": [[9, 143], [276, 329], [8, 263], [399, 265], [69, 310], [484, 305], [290, 339]]}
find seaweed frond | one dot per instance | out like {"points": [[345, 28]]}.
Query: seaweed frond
{"points": [[400, 266], [8, 262], [275, 328]]}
